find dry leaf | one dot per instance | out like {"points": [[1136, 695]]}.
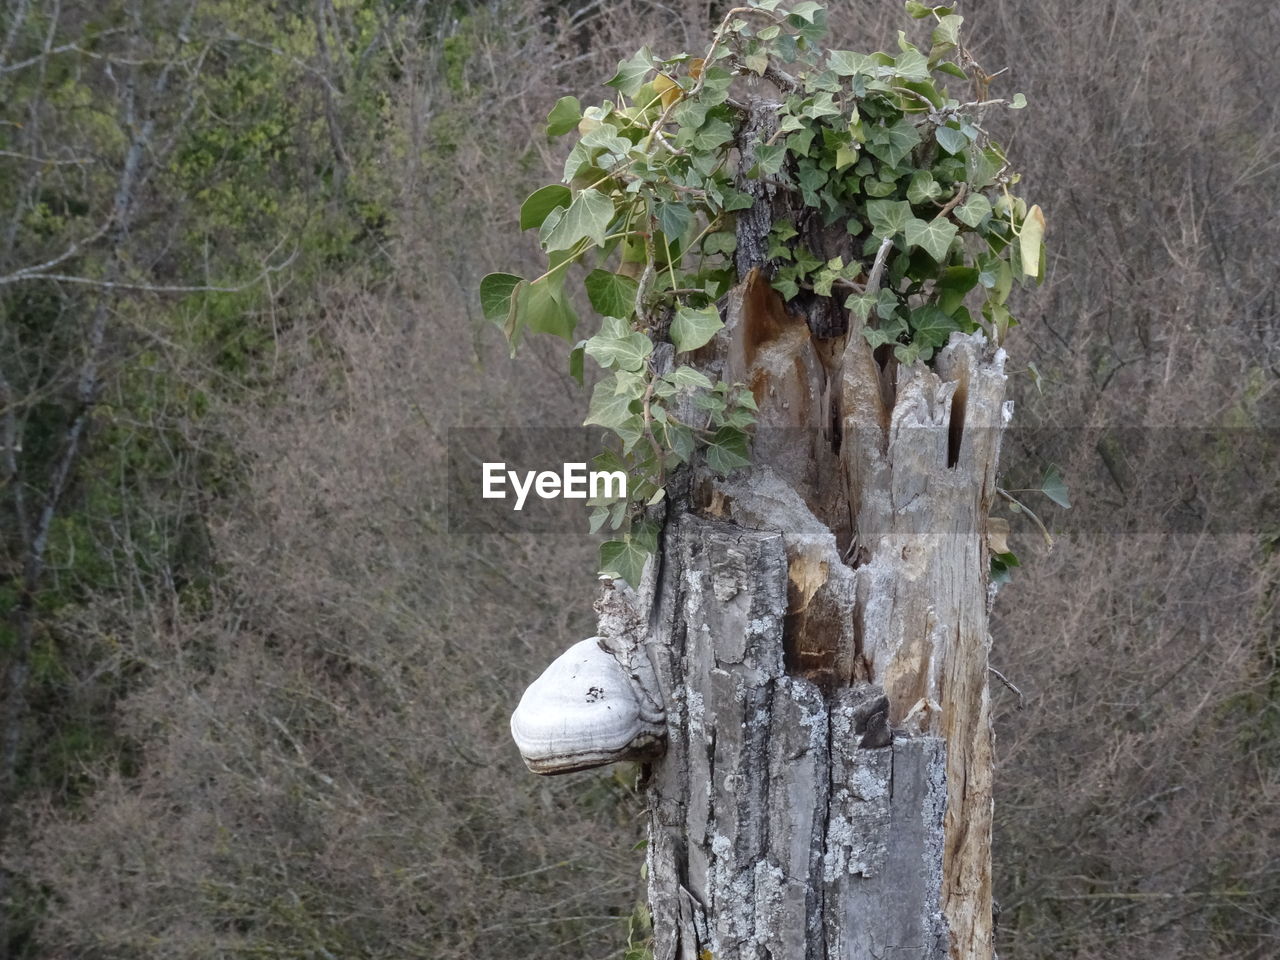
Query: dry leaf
{"points": [[1029, 241], [998, 534]]}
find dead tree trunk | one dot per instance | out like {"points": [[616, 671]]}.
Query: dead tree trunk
{"points": [[818, 628]]}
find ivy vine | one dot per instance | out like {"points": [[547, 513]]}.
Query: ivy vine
{"points": [[875, 143]]}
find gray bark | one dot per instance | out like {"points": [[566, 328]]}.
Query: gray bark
{"points": [[774, 832]]}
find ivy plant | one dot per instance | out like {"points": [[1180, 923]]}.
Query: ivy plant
{"points": [[874, 145]]}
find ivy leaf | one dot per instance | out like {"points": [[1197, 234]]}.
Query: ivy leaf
{"points": [[769, 159], [611, 294], [845, 63], [541, 202], [608, 408], [723, 241], [933, 236], [893, 142], [922, 187], [727, 450], [605, 137], [807, 10], [884, 335], [495, 295], [631, 73], [931, 327], [543, 309], [626, 558], [888, 217], [564, 116], [576, 363], [617, 345], [1055, 488], [1019, 101], [673, 219], [861, 305], [1029, 240], [587, 217], [692, 328], [951, 140], [911, 64], [974, 210], [918, 10], [688, 378], [947, 32], [954, 283]]}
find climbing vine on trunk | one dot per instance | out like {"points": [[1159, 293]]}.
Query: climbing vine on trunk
{"points": [[905, 227]]}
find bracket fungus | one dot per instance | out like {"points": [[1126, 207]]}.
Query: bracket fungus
{"points": [[584, 711]]}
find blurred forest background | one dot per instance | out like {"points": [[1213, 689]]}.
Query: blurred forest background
{"points": [[255, 693]]}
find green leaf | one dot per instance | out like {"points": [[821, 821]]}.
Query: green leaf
{"points": [[959, 278], [587, 217], [723, 241], [933, 236], [888, 217], [931, 327], [807, 10], [951, 140], [879, 188], [692, 328], [886, 333], [1019, 101], [687, 378], [543, 309], [922, 187], [631, 73], [495, 295], [611, 294], [673, 219], [617, 345], [918, 10], [564, 116], [845, 63], [576, 363], [1055, 488], [769, 158], [846, 156], [541, 202], [947, 32], [605, 137], [893, 142], [608, 408], [911, 64], [626, 558], [727, 450], [974, 210], [861, 305]]}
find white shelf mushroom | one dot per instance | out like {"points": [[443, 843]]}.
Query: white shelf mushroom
{"points": [[584, 711]]}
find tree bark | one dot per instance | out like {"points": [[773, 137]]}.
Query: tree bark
{"points": [[817, 632]]}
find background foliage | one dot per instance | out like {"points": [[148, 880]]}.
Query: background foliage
{"points": [[266, 689]]}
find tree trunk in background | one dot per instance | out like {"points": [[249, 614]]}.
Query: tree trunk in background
{"points": [[818, 629]]}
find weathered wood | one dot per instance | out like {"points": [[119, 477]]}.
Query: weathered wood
{"points": [[774, 833]]}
